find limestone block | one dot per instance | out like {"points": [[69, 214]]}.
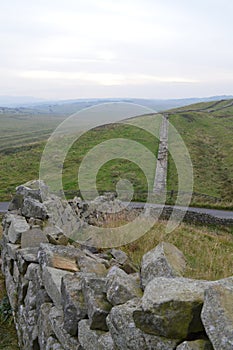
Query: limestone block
{"points": [[44, 326], [105, 342], [35, 189], [56, 320], [95, 298], [74, 307], [88, 337], [171, 307], [165, 260], [61, 257], [217, 316], [33, 238], [87, 264], [121, 287], [126, 335], [33, 208], [52, 281], [53, 344], [195, 345], [17, 227]]}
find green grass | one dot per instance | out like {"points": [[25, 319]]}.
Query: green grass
{"points": [[208, 137], [208, 251]]}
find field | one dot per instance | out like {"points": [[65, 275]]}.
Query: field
{"points": [[206, 129]]}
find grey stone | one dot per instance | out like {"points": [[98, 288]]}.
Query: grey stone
{"points": [[171, 307], [165, 260], [89, 265], [17, 227], [53, 344], [16, 202], [88, 338], [61, 257], [195, 345], [121, 287], [52, 281], [105, 342], [35, 189], [95, 298], [11, 288], [25, 257], [126, 335], [12, 250], [55, 235], [74, 307], [56, 320], [33, 238], [44, 326], [120, 256], [34, 208], [217, 316]]}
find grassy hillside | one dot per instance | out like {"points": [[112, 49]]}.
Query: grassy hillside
{"points": [[206, 129], [209, 139]]}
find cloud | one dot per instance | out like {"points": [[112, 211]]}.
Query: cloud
{"points": [[103, 78]]}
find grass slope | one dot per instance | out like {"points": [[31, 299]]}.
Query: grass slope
{"points": [[206, 129]]}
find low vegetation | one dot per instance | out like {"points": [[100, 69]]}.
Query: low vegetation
{"points": [[209, 251], [206, 129]]}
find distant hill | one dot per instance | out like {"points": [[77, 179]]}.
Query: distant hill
{"points": [[66, 107]]}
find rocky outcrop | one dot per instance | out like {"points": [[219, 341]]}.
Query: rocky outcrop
{"points": [[71, 296]]}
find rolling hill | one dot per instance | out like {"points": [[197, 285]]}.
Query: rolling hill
{"points": [[206, 128]]}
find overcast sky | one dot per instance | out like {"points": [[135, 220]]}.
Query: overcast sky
{"points": [[63, 49]]}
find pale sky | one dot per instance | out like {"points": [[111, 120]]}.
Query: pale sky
{"points": [[63, 49]]}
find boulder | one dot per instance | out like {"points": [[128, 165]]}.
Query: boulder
{"points": [[72, 301], [171, 307], [33, 238], [126, 335], [98, 307], [165, 260], [195, 345], [121, 287], [33, 208], [217, 316], [18, 226], [35, 189]]}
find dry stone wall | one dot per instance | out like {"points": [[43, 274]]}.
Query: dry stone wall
{"points": [[67, 296]]}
